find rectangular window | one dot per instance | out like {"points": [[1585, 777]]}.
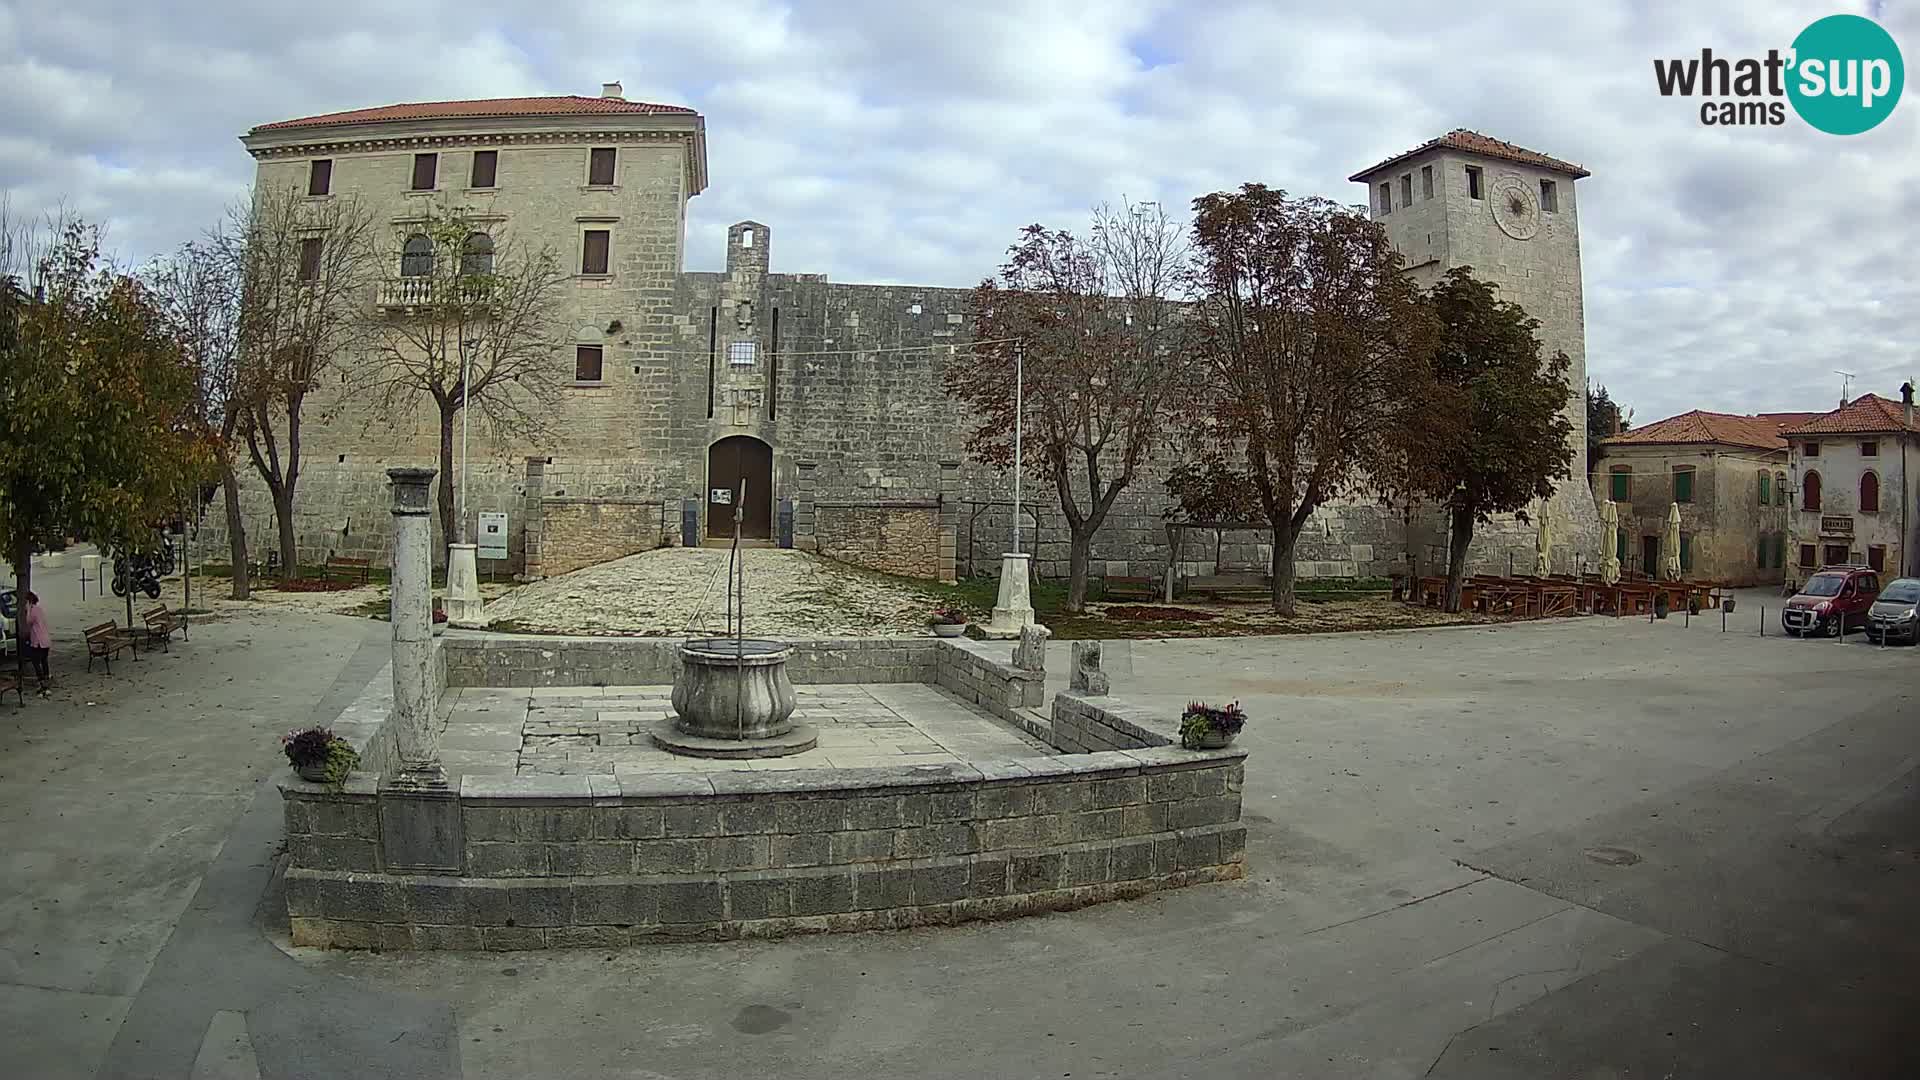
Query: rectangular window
{"points": [[310, 258], [1766, 489], [1622, 485], [320, 177], [1765, 541], [1836, 555], [1811, 449], [1877, 556], [1426, 181], [1779, 550], [593, 252], [486, 168], [1683, 484], [1549, 196], [1406, 190], [600, 166], [426, 170], [1386, 198], [740, 354], [1806, 555], [1473, 182], [586, 363], [1870, 448], [1686, 551]]}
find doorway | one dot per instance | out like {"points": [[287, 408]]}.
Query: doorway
{"points": [[734, 462], [1650, 556]]}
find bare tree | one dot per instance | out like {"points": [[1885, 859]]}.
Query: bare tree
{"points": [[306, 269], [473, 321], [1095, 322]]}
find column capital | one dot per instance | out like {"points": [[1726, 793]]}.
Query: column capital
{"points": [[410, 490]]}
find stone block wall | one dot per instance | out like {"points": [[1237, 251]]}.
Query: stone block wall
{"points": [[1083, 724], [576, 533], [898, 538], [584, 661], [976, 673]]}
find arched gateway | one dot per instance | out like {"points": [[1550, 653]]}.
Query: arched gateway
{"points": [[732, 462]]}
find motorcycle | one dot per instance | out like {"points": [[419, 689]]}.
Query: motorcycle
{"points": [[137, 571]]}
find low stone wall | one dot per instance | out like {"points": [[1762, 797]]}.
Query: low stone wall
{"points": [[974, 673], [893, 538], [576, 533], [1087, 724], [591, 661]]}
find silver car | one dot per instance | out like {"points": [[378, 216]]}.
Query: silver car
{"points": [[1895, 615]]}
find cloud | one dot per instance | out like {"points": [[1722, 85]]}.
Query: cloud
{"points": [[909, 141]]}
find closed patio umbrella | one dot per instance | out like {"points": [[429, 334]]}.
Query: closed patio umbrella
{"points": [[1670, 545], [1610, 543], [1543, 544]]}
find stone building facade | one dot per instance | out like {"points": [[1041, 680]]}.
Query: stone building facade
{"points": [[1728, 475], [815, 409], [1853, 490]]}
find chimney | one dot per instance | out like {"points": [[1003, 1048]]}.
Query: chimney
{"points": [[1906, 401], [612, 90]]}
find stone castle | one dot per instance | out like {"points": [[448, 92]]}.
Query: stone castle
{"points": [[825, 398]]}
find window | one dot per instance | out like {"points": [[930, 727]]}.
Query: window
{"points": [[1877, 556], [1683, 483], [486, 168], [1426, 181], [593, 251], [1869, 493], [310, 258], [1806, 555], [1549, 196], [1810, 492], [1766, 488], [600, 166], [740, 354], [1765, 542], [1620, 546], [1686, 551], [416, 256], [1779, 550], [320, 177], [1870, 448], [476, 255], [586, 363], [1473, 182], [426, 171], [1386, 198], [1836, 555], [1811, 449], [746, 238], [1622, 483], [1780, 489], [1406, 190]]}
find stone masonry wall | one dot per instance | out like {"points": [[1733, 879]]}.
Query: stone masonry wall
{"points": [[576, 533], [584, 661], [899, 539]]}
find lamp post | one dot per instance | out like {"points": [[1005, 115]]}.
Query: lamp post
{"points": [[1015, 607], [466, 421], [464, 606], [1019, 414]]}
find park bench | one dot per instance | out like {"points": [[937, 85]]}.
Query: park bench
{"points": [[1230, 586], [11, 681], [106, 639], [346, 567], [1145, 588], [161, 624]]}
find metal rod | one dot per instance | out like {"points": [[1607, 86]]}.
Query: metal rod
{"points": [[466, 421], [1019, 431]]}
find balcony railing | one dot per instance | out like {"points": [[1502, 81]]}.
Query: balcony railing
{"points": [[402, 293]]}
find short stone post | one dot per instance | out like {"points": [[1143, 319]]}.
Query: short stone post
{"points": [[534, 518], [1087, 678], [1031, 653], [413, 692]]}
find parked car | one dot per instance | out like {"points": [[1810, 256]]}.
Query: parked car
{"points": [[1837, 597], [1895, 616]]}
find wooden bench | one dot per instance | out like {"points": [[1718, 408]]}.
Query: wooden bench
{"points": [[11, 681], [345, 567], [161, 624], [1230, 586], [106, 639], [1145, 588]]}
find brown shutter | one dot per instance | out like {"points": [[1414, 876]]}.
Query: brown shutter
{"points": [[320, 177], [426, 168], [593, 259], [486, 163], [586, 363], [600, 167]]}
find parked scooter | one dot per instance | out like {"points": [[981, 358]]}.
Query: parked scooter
{"points": [[140, 570]]}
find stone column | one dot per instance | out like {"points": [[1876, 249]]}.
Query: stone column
{"points": [[535, 518], [803, 519], [413, 693], [949, 520]]}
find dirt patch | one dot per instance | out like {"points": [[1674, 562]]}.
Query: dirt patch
{"points": [[312, 585], [1150, 613]]}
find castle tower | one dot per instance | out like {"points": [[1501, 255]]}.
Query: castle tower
{"points": [[1510, 214]]}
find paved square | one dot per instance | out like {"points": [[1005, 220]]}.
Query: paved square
{"points": [[604, 730]]}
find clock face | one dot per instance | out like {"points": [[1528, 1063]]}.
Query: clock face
{"points": [[1515, 208]]}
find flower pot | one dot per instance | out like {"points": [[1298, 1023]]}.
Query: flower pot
{"points": [[314, 774], [949, 629], [1215, 739]]}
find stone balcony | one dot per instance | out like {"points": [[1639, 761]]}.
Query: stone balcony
{"points": [[403, 294]]}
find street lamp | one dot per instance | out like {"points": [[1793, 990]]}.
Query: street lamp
{"points": [[467, 346]]}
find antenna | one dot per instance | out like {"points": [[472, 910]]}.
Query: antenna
{"points": [[1846, 383]]}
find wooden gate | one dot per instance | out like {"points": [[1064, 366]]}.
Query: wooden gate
{"points": [[730, 462]]}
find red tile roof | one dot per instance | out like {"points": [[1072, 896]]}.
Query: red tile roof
{"points": [[1866, 414], [563, 105], [1761, 432], [1474, 142]]}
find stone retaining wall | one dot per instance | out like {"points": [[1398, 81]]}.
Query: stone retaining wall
{"points": [[576, 533], [893, 538], [974, 672], [592, 661], [1083, 724]]}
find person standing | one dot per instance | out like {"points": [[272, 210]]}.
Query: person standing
{"points": [[39, 640]]}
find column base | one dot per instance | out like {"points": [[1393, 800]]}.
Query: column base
{"points": [[465, 609], [1015, 608]]}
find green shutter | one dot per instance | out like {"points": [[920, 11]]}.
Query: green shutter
{"points": [[1620, 486], [1766, 488], [1683, 485], [1686, 551], [1620, 547], [1763, 551]]}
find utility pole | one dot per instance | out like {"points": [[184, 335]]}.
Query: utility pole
{"points": [[1019, 412]]}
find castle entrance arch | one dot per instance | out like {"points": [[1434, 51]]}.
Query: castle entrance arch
{"points": [[735, 462]]}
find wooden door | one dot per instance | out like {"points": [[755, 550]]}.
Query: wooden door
{"points": [[734, 463], [1650, 556]]}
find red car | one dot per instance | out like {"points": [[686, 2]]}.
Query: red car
{"points": [[1837, 596]]}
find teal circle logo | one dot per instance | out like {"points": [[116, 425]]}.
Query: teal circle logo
{"points": [[1846, 76]]}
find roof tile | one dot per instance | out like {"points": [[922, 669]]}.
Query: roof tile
{"points": [[1761, 432], [1474, 142], [487, 108], [1866, 414]]}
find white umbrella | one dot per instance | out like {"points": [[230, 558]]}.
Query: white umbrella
{"points": [[1670, 556], [1610, 543], [1543, 544]]}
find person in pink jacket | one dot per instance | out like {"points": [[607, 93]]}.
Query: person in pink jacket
{"points": [[39, 640]]}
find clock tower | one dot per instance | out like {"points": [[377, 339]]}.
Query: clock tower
{"points": [[1510, 214]]}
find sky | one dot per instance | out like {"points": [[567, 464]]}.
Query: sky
{"points": [[902, 141]]}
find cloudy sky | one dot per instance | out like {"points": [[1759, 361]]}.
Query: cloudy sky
{"points": [[907, 141]]}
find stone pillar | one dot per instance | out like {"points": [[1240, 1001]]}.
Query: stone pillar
{"points": [[1031, 653], [949, 520], [532, 560], [413, 692], [1086, 676], [803, 519], [464, 606], [1015, 608]]}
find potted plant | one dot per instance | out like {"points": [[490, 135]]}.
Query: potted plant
{"points": [[948, 622], [319, 755], [1210, 727], [439, 620]]}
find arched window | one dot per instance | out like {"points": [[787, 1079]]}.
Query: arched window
{"points": [[416, 258], [1810, 492], [476, 255], [1869, 493]]}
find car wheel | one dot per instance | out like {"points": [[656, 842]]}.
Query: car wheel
{"points": [[1832, 628]]}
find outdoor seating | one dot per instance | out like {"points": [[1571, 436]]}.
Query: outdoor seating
{"points": [[105, 640], [347, 567]]}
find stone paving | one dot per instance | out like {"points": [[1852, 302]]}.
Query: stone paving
{"points": [[604, 731]]}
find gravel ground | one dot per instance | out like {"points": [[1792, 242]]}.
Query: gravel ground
{"points": [[672, 591]]}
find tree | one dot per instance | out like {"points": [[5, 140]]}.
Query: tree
{"points": [[475, 324], [1093, 322], [1602, 414], [1495, 436], [1315, 343], [306, 269], [198, 289]]}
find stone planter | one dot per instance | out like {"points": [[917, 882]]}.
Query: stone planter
{"points": [[949, 629], [734, 690], [1215, 739], [313, 774]]}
